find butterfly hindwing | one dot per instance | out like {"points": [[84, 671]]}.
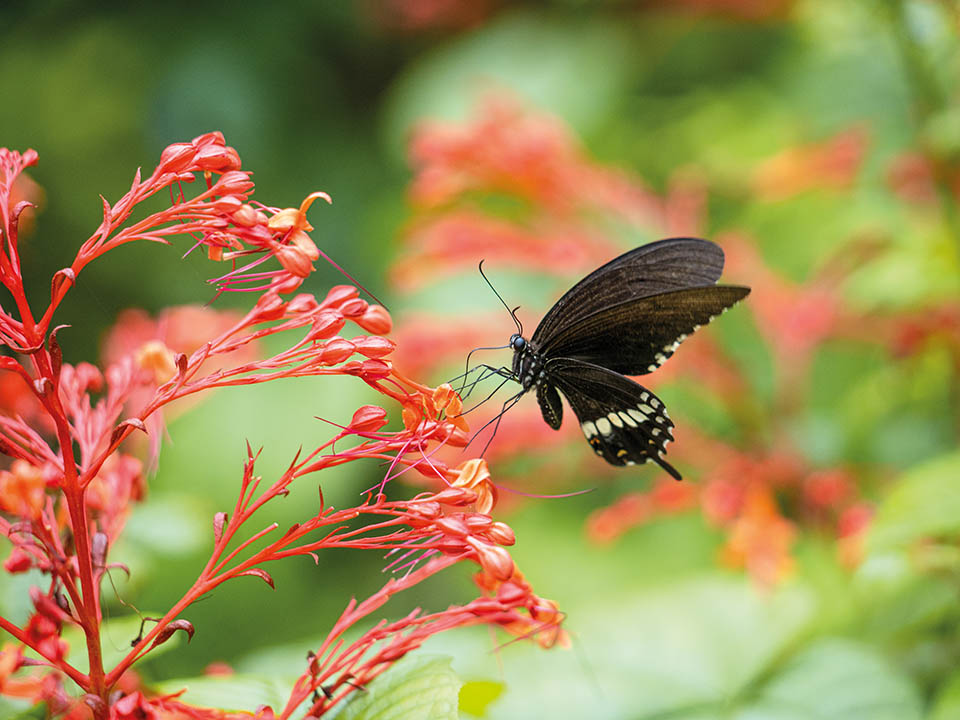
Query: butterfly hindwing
{"points": [[551, 407], [637, 336], [624, 423]]}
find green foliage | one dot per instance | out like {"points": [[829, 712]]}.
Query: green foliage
{"points": [[418, 688], [923, 503]]}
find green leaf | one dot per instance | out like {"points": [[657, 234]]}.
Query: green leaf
{"points": [[836, 680], [924, 502], [946, 706], [231, 692], [417, 688], [22, 710], [476, 695]]}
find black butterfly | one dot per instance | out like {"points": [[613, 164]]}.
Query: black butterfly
{"points": [[625, 318]]}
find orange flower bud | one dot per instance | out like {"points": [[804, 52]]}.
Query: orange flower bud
{"points": [[294, 260], [248, 216], [336, 350], [368, 418], [502, 534], [375, 370], [354, 308], [452, 525], [373, 346], [304, 302], [177, 157], [494, 559], [339, 294], [301, 240], [455, 496], [234, 182], [376, 320], [326, 324]]}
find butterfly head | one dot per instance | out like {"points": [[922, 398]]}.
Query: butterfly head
{"points": [[527, 363]]}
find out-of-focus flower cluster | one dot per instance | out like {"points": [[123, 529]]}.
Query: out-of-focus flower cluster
{"points": [[73, 472], [757, 485]]}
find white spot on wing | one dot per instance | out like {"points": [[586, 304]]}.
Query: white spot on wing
{"points": [[627, 419], [615, 420], [589, 429], [603, 425]]}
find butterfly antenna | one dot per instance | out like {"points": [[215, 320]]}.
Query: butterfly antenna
{"points": [[513, 313]]}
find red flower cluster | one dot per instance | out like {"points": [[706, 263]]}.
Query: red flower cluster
{"points": [[73, 475]]}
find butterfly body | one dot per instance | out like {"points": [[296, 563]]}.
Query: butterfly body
{"points": [[627, 317]]}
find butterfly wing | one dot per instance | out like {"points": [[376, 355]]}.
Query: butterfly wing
{"points": [[650, 269], [636, 336], [624, 423]]}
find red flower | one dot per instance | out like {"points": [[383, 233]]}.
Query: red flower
{"points": [[832, 163]]}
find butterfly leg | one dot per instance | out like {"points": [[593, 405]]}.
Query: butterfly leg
{"points": [[508, 403], [488, 371]]}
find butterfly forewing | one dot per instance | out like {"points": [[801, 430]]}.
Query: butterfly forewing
{"points": [[647, 270], [624, 423], [637, 336]]}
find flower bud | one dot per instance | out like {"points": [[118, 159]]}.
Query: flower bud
{"points": [[336, 350], [228, 204], [455, 496], [354, 308], [501, 533], [373, 346], [248, 216], [177, 157], [339, 294], [375, 320], [325, 325], [368, 418], [494, 559], [217, 158], [294, 260], [426, 509], [234, 182], [269, 307], [302, 303], [512, 593], [302, 241], [374, 369]]}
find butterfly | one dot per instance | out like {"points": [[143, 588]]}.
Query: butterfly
{"points": [[625, 318]]}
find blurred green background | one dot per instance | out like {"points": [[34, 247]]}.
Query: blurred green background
{"points": [[323, 96]]}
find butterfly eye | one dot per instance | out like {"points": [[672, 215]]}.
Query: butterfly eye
{"points": [[517, 342]]}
